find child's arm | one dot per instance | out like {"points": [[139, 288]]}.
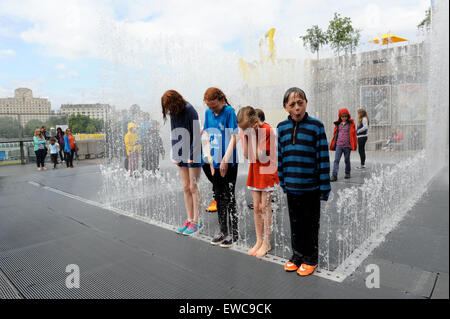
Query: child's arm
{"points": [[280, 166], [323, 164], [245, 145]]}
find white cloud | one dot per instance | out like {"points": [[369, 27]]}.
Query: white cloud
{"points": [[7, 53], [182, 44], [60, 66]]}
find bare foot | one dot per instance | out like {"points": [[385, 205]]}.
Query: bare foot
{"points": [[252, 252], [262, 251]]}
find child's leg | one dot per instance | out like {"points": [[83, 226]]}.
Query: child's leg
{"points": [[266, 209], [309, 215], [259, 222], [230, 179], [337, 159], [194, 178], [347, 153], [184, 174]]}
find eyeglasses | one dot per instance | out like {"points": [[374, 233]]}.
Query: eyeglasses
{"points": [[344, 115]]}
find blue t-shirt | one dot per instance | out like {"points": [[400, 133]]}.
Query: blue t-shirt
{"points": [[53, 148], [220, 128]]}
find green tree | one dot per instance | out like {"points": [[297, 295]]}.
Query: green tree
{"points": [[314, 39], [31, 126], [84, 124], [426, 22], [353, 41], [78, 123], [53, 121], [339, 33], [9, 127]]}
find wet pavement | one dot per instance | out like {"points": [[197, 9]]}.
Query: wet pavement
{"points": [[42, 231]]}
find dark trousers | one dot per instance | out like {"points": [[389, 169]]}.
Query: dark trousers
{"points": [[362, 149], [337, 158], [54, 158], [40, 157], [69, 158], [304, 216], [62, 155], [224, 194]]}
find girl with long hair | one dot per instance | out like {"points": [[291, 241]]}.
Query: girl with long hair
{"points": [[186, 154]]}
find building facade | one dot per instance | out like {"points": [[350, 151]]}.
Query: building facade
{"points": [[24, 103], [94, 111]]}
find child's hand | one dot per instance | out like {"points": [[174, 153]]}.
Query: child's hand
{"points": [[324, 195], [223, 168], [176, 163]]}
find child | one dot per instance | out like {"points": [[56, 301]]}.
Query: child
{"points": [[188, 158], [262, 117], [344, 141], [221, 129], [303, 170], [361, 132], [54, 149], [260, 149], [132, 147]]}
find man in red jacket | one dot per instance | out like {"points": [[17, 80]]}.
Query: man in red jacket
{"points": [[344, 141]]}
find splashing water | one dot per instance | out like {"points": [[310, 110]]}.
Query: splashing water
{"points": [[354, 214]]}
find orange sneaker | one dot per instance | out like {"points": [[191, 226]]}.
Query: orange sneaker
{"points": [[305, 270], [212, 207], [289, 266]]}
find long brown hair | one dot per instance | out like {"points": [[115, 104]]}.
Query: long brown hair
{"points": [[215, 94], [172, 103], [361, 114]]}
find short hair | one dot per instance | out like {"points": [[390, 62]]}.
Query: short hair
{"points": [[247, 114], [53, 139], [296, 91], [260, 114]]}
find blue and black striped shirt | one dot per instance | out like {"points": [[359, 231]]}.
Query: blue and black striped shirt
{"points": [[303, 159]]}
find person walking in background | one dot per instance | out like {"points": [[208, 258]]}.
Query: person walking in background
{"points": [[344, 141], [222, 167], [131, 140], [54, 148], [152, 148], [45, 133], [362, 131], [304, 173], [69, 147], [186, 154], [40, 149], [143, 134], [60, 141], [260, 149]]}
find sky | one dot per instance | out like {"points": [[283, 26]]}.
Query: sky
{"points": [[127, 52]]}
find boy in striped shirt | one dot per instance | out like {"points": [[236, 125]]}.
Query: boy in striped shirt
{"points": [[303, 170]]}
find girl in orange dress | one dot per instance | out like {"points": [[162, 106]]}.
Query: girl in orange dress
{"points": [[259, 143]]}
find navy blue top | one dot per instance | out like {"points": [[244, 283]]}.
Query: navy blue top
{"points": [[303, 159], [186, 137]]}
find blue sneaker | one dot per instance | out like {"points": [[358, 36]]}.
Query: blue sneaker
{"points": [[183, 228], [193, 228]]}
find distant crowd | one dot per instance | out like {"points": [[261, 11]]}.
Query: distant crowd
{"points": [[62, 144]]}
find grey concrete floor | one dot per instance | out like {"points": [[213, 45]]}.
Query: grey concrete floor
{"points": [[41, 232]]}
